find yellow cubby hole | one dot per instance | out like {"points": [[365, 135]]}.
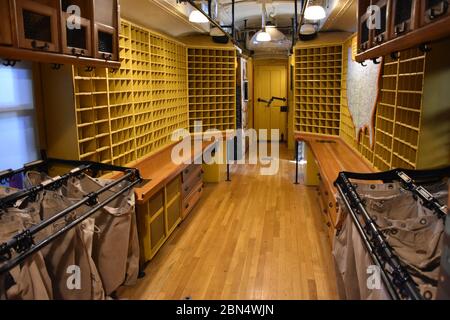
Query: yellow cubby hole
{"points": [[406, 133], [212, 87], [119, 116], [317, 89]]}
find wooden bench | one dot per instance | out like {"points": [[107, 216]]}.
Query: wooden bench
{"points": [[327, 156]]}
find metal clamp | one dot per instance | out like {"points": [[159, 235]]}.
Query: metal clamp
{"points": [[24, 241], [93, 199]]}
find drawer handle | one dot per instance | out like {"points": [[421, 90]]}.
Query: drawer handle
{"points": [[330, 205], [43, 47], [434, 14], [80, 53], [400, 28], [379, 39]]}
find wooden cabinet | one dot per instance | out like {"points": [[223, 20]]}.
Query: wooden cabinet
{"points": [[76, 39], [7, 35], [78, 32], [158, 218], [106, 21], [37, 23], [433, 10], [404, 24], [192, 187]]}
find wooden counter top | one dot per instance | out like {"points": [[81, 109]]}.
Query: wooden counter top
{"points": [[333, 156], [159, 168]]}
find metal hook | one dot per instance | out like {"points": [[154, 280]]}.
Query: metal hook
{"points": [[56, 66], [425, 48], [395, 55], [89, 69], [363, 64], [113, 70], [10, 63], [375, 61]]}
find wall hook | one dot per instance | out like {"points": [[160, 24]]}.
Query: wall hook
{"points": [[375, 61], [89, 69], [10, 62], [395, 55], [425, 48], [56, 66], [363, 64]]}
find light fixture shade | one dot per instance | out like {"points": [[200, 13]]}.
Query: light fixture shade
{"points": [[197, 17], [262, 36], [315, 13]]}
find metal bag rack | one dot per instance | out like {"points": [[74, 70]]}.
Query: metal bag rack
{"points": [[23, 243], [396, 278]]}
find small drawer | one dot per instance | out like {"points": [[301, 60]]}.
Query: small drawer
{"points": [[190, 171], [189, 185], [173, 188], [190, 202]]}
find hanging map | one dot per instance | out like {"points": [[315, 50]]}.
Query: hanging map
{"points": [[362, 92]]}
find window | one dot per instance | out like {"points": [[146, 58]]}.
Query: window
{"points": [[18, 128]]}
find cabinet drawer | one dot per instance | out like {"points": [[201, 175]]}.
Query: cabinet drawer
{"points": [[191, 184], [190, 202], [190, 171]]}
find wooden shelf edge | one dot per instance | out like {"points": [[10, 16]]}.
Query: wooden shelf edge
{"points": [[433, 32], [56, 58]]}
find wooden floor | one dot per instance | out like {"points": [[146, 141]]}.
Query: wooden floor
{"points": [[257, 237]]}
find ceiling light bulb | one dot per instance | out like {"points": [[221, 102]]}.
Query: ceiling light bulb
{"points": [[197, 17], [315, 13], [263, 36]]}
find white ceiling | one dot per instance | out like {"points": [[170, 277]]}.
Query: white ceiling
{"points": [[171, 18]]}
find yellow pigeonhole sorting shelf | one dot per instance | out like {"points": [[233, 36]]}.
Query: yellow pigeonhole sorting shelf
{"points": [[212, 88], [398, 124], [317, 89], [119, 116]]}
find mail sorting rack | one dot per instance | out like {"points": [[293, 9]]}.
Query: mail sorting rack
{"points": [[212, 88], [398, 115], [318, 74], [399, 111], [118, 116]]}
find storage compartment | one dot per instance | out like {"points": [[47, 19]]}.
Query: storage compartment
{"points": [[173, 189], [156, 203], [434, 10], [403, 18], [106, 23], [6, 24], [190, 202], [157, 232], [173, 214], [381, 34], [38, 25], [76, 39]]}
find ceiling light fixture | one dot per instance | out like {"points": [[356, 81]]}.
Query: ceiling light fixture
{"points": [[197, 17], [315, 12], [263, 35]]}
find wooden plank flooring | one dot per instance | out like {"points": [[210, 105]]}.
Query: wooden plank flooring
{"points": [[257, 237]]}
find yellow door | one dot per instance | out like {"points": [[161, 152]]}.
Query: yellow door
{"points": [[271, 82]]}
